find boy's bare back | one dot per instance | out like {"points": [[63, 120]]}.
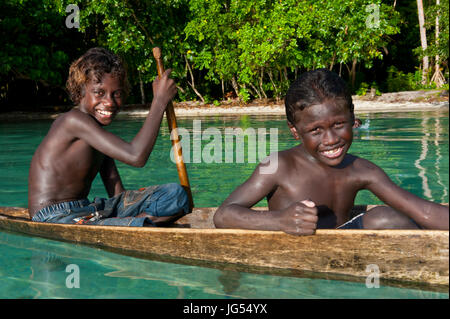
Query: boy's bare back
{"points": [[63, 167]]}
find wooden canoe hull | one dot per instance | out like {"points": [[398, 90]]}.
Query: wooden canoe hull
{"points": [[419, 256]]}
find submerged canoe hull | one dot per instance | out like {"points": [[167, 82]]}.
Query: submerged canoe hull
{"points": [[419, 256]]}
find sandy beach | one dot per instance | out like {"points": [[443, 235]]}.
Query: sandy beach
{"points": [[408, 101], [360, 107]]}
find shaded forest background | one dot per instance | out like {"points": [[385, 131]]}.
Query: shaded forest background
{"points": [[225, 49]]}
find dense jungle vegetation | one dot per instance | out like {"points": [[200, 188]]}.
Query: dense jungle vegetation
{"points": [[219, 49]]}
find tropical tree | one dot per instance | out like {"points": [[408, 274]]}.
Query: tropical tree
{"points": [[132, 29], [439, 19], [35, 47], [253, 48], [256, 45], [423, 40]]}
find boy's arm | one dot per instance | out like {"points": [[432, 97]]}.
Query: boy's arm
{"points": [[300, 218], [135, 153], [427, 214], [110, 177]]}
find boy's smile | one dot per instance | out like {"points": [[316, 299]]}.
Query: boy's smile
{"points": [[325, 131], [102, 100]]}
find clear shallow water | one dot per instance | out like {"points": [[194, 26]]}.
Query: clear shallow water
{"points": [[36, 268], [411, 147]]}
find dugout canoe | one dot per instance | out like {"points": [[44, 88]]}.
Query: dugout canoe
{"points": [[403, 256]]}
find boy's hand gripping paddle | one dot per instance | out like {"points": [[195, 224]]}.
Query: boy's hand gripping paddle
{"points": [[171, 119]]}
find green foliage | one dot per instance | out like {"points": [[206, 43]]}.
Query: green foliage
{"points": [[133, 28], [365, 88], [362, 91], [441, 46], [399, 81], [252, 47], [244, 95], [437, 42], [261, 41], [33, 46]]}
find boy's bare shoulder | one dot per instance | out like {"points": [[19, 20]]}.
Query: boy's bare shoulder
{"points": [[75, 118], [290, 154], [74, 114], [65, 118], [281, 162], [361, 164], [364, 170], [273, 165], [68, 126]]}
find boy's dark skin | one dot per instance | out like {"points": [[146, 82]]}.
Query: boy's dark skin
{"points": [[77, 147], [311, 188]]}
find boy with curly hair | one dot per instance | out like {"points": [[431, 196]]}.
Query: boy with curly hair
{"points": [[77, 148]]}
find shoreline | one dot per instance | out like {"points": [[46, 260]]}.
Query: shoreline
{"points": [[360, 107], [407, 101]]}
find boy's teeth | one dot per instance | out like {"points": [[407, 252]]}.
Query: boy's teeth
{"points": [[332, 152], [104, 112]]}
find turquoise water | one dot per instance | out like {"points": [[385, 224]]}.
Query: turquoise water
{"points": [[38, 268], [411, 147]]}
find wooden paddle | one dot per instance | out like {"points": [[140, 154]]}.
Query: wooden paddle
{"points": [[172, 121]]}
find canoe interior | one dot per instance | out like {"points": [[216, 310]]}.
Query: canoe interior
{"points": [[200, 218], [406, 258]]}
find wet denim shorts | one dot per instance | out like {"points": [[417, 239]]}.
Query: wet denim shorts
{"points": [[120, 210]]}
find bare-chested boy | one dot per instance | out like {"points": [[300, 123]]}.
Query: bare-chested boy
{"points": [[316, 182], [77, 147]]}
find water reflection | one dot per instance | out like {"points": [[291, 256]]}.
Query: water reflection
{"points": [[423, 155], [411, 147], [398, 142], [36, 268], [47, 274], [393, 141], [438, 130]]}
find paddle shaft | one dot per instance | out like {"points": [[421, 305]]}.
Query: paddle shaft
{"points": [[172, 121]]}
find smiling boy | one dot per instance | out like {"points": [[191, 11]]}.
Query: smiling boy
{"points": [[316, 182], [77, 148]]}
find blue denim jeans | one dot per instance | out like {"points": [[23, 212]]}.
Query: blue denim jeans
{"points": [[120, 210]]}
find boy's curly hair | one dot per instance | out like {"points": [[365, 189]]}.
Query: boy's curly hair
{"points": [[92, 66], [314, 87]]}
